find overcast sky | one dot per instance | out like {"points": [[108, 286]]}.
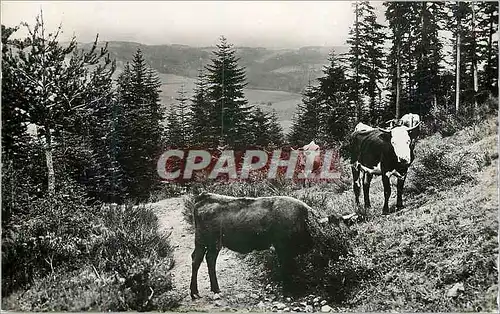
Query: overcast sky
{"points": [[196, 23]]}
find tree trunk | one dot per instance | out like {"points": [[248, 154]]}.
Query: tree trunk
{"points": [[474, 59], [398, 81], [51, 179], [490, 47], [358, 106], [457, 66]]}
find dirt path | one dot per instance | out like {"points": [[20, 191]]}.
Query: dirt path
{"points": [[236, 279]]}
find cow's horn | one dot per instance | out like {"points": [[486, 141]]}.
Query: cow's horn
{"points": [[384, 130], [412, 128], [391, 122]]}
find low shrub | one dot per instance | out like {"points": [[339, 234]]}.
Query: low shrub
{"points": [[51, 234], [435, 168], [87, 290], [50, 246]]}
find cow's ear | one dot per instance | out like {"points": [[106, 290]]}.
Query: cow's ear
{"points": [[414, 133]]}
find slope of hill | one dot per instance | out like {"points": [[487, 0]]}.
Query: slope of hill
{"points": [[284, 69]]}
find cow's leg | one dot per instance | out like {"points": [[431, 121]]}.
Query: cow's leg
{"points": [[387, 194], [356, 188], [399, 200], [286, 259], [367, 179], [197, 258], [212, 253]]}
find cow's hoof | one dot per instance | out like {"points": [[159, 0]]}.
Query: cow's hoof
{"points": [[195, 296], [217, 296]]}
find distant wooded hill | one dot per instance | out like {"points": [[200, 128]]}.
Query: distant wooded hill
{"points": [[271, 69]]}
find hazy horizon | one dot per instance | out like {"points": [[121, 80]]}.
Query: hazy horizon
{"points": [[268, 24]]}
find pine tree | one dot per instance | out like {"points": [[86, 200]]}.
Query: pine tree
{"points": [[226, 82], [306, 127], [338, 113], [178, 122], [139, 131], [267, 130], [487, 25], [203, 116], [366, 58], [428, 57]]}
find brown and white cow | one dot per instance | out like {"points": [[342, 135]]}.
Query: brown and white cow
{"points": [[376, 151]]}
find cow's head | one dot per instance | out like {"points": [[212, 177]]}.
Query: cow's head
{"points": [[410, 120], [401, 141]]}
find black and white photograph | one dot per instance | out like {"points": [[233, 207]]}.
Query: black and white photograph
{"points": [[249, 156]]}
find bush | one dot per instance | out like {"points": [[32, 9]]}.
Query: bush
{"points": [[50, 246], [51, 233], [435, 168], [87, 290]]}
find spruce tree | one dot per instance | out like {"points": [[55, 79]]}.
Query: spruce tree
{"points": [[139, 127], [267, 130], [366, 59], [274, 129], [203, 116], [428, 57], [402, 23], [335, 93], [174, 134], [487, 25], [306, 122], [178, 122], [226, 83]]}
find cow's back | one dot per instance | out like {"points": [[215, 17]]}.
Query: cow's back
{"points": [[368, 147], [247, 224]]}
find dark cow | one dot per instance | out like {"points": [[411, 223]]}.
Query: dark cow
{"points": [[382, 152], [245, 224]]}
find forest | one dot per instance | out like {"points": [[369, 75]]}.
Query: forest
{"points": [[80, 150]]}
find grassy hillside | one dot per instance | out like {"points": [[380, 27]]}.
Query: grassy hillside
{"points": [[440, 253], [437, 254]]}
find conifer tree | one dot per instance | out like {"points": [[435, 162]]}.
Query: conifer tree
{"points": [[178, 130], [428, 57], [366, 59], [139, 126], [306, 126], [203, 116], [401, 20], [275, 129], [174, 134], [487, 25], [231, 110], [337, 99], [267, 129]]}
